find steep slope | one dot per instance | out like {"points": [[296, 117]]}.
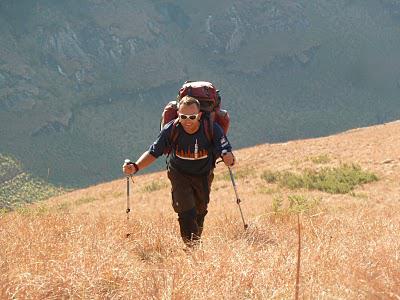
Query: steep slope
{"points": [[75, 246]]}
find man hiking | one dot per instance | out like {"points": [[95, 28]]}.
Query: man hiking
{"points": [[191, 164]]}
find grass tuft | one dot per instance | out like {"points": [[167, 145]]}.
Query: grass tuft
{"points": [[339, 180], [296, 204], [301, 203], [277, 203], [84, 200], [243, 173], [270, 176], [320, 159], [155, 186]]}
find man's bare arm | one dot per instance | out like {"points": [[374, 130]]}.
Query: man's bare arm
{"points": [[143, 162]]}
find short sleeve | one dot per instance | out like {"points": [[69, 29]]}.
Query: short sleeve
{"points": [[162, 142]]}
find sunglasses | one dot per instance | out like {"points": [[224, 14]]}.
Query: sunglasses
{"points": [[191, 117]]}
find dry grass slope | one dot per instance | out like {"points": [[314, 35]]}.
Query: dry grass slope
{"points": [[74, 246]]}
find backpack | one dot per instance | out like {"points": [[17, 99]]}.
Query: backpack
{"points": [[210, 104]]}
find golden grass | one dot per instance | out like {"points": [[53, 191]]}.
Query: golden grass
{"points": [[74, 246], [350, 249]]}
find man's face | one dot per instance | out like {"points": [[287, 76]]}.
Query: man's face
{"points": [[189, 116]]}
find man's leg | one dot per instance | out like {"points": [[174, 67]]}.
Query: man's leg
{"points": [[183, 203], [189, 227], [200, 222], [202, 198]]}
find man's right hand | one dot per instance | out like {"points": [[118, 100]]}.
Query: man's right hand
{"points": [[129, 168]]}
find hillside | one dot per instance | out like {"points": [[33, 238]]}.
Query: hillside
{"points": [[18, 187], [75, 246], [83, 83]]}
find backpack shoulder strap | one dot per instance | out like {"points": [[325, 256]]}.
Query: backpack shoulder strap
{"points": [[172, 137], [208, 123], [174, 132]]}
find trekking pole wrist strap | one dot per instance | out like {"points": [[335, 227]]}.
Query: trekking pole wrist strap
{"points": [[233, 161], [135, 166]]}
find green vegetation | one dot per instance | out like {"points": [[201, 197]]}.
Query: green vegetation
{"points": [[8, 168], [38, 210], [297, 204], [155, 185], [242, 173], [3, 211], [320, 159], [277, 203], [300, 203], [270, 176], [359, 195], [18, 187], [339, 180], [64, 207], [267, 190], [84, 200]]}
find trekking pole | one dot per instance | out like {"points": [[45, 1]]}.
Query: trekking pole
{"points": [[128, 209], [296, 297], [236, 193], [237, 197]]}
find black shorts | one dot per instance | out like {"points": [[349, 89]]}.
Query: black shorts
{"points": [[190, 191]]}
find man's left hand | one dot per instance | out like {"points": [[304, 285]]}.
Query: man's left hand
{"points": [[228, 159]]}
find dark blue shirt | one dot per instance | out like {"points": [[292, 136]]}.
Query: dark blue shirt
{"points": [[191, 154]]}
